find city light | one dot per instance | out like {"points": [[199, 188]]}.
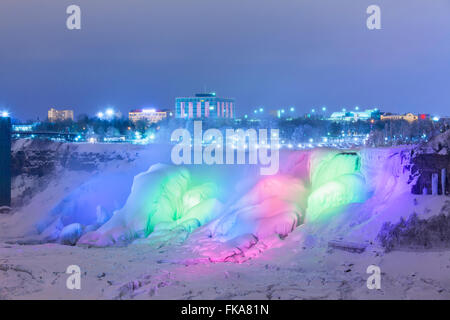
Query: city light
{"points": [[5, 114], [110, 113], [292, 109]]}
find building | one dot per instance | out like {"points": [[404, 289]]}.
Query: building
{"points": [[204, 105], [59, 115], [365, 115], [408, 117], [24, 127], [148, 115]]}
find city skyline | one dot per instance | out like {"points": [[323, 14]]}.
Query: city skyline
{"points": [[149, 54]]}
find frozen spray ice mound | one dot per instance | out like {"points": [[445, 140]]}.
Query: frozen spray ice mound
{"points": [[161, 199], [92, 203], [271, 210], [229, 213], [336, 181], [89, 205], [167, 204], [309, 186], [345, 189], [386, 184]]}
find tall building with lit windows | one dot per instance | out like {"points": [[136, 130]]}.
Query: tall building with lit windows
{"points": [[59, 115], [205, 105], [148, 115]]}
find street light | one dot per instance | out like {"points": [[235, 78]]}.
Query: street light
{"points": [[110, 112], [100, 115]]}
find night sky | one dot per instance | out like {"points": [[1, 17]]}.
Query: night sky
{"points": [[271, 53]]}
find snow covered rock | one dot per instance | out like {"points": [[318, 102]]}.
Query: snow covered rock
{"points": [[70, 234], [52, 232], [439, 144]]}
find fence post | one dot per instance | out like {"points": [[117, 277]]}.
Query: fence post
{"points": [[434, 184], [444, 180]]}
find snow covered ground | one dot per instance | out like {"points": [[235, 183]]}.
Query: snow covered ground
{"points": [[284, 263]]}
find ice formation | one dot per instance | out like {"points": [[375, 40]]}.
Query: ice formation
{"points": [[163, 198], [89, 206], [224, 218], [272, 209], [336, 181]]}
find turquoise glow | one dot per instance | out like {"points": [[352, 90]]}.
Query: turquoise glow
{"points": [[336, 182]]}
